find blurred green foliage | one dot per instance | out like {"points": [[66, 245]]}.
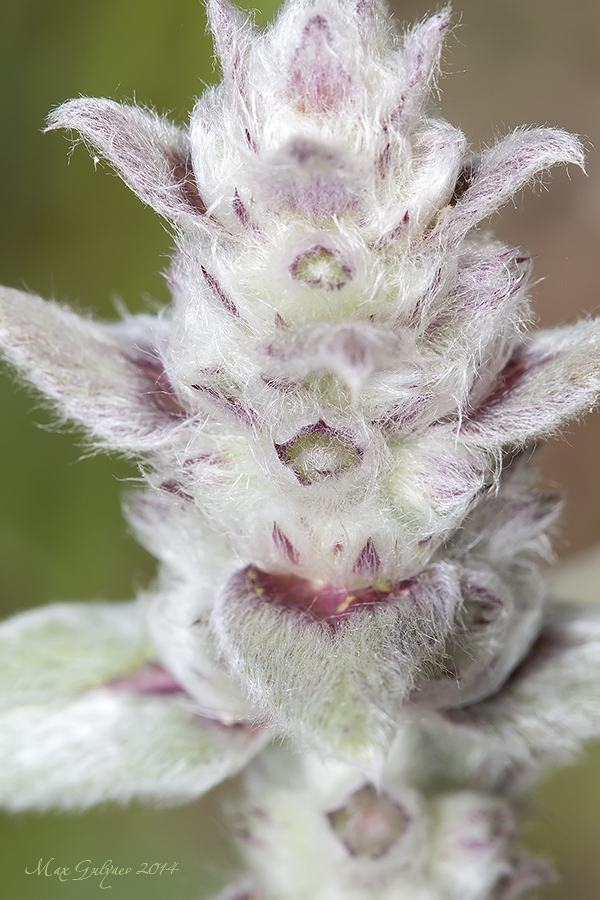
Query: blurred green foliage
{"points": [[74, 234]]}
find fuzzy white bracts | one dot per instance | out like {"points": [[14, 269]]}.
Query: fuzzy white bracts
{"points": [[331, 418], [310, 829]]}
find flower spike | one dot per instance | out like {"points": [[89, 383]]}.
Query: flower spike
{"points": [[333, 420]]}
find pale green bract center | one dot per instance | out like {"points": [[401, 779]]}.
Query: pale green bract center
{"points": [[316, 456]]}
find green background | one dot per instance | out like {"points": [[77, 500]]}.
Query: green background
{"points": [[70, 232]]}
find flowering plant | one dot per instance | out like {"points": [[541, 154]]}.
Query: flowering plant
{"points": [[334, 420]]}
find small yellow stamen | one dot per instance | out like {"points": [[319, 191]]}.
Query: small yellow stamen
{"points": [[345, 603]]}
